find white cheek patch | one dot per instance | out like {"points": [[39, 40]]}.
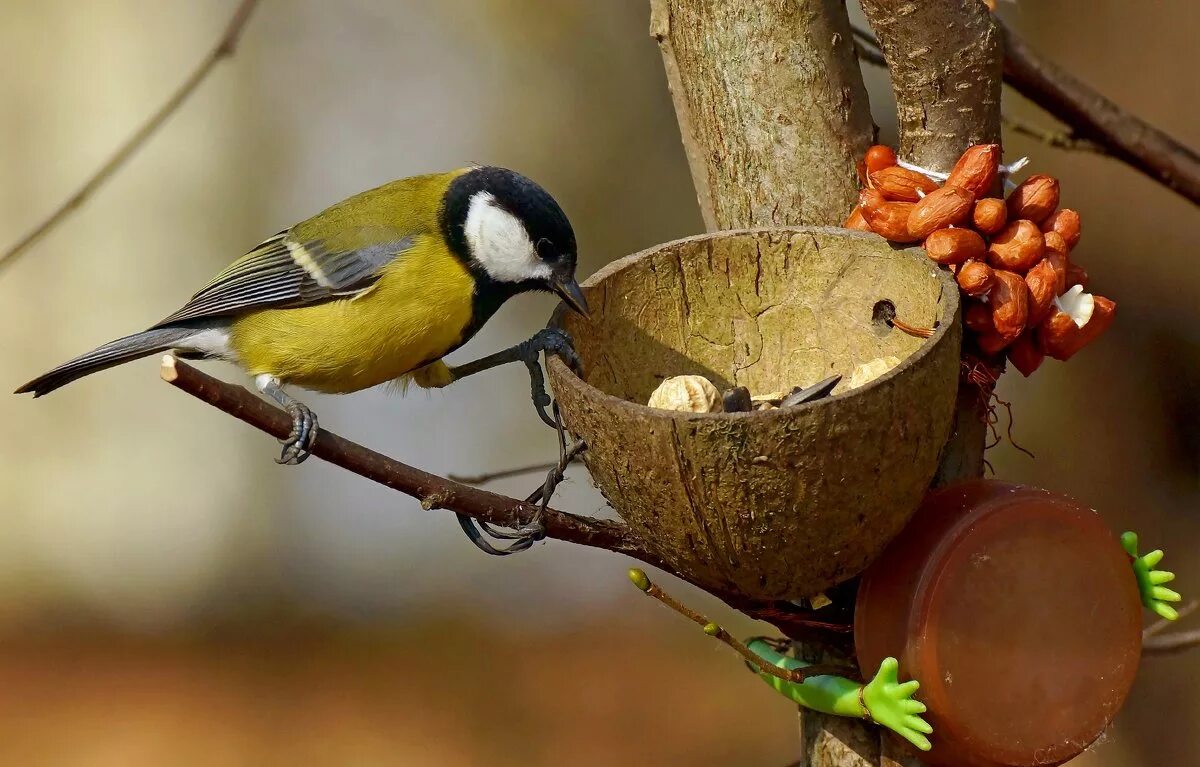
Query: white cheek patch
{"points": [[499, 242]]}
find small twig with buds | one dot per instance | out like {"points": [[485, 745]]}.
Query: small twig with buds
{"points": [[1057, 139], [797, 676]]}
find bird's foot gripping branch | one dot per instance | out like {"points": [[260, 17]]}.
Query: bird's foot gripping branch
{"points": [[550, 341], [521, 539], [432, 491]]}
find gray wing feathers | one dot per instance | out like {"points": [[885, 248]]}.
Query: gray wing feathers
{"points": [[281, 273], [111, 354]]}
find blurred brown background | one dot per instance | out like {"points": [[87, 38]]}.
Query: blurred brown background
{"points": [[170, 596]]}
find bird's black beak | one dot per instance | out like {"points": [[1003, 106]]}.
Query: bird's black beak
{"points": [[568, 290]]}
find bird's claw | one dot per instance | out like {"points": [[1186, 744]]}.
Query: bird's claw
{"points": [[522, 538], [297, 447], [529, 534], [554, 341], [550, 341]]}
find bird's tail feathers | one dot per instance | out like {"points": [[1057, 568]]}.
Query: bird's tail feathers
{"points": [[109, 355]]}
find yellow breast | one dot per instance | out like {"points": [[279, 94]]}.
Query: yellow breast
{"points": [[418, 310]]}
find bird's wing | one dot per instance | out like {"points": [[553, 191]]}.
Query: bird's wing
{"points": [[283, 273]]}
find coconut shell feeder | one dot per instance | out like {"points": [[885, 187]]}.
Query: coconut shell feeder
{"points": [[776, 504]]}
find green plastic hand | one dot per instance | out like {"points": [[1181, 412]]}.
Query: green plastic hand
{"points": [[892, 705], [1150, 581], [887, 702]]}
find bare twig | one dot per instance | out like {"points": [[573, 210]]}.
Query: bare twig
{"points": [[491, 476], [1056, 139], [433, 491], [436, 492], [1092, 116], [1095, 123], [1163, 623], [1156, 643], [1177, 641], [797, 676], [224, 48]]}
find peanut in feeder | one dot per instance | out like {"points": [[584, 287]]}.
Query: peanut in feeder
{"points": [[772, 504]]}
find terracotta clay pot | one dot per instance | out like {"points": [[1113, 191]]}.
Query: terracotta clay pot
{"points": [[1018, 612], [780, 503]]}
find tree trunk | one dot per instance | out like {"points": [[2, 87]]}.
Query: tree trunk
{"points": [[771, 105], [946, 63], [774, 117]]}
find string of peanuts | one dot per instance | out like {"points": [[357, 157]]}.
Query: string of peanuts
{"points": [[1024, 296]]}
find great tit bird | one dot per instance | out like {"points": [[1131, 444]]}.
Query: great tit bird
{"points": [[377, 288]]}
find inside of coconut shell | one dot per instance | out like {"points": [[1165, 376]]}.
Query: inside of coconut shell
{"points": [[769, 312]]}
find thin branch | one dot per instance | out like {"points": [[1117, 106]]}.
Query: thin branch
{"points": [[1156, 643], [1092, 116], [436, 492], [1095, 123], [1163, 624], [1056, 139], [432, 491], [491, 476], [1174, 642], [569, 455], [714, 630], [224, 48]]}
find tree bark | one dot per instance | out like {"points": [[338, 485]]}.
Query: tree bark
{"points": [[944, 57], [946, 62], [774, 118], [771, 106]]}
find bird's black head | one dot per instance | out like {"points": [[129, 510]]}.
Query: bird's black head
{"points": [[512, 233]]}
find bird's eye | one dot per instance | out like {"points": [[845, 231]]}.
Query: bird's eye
{"points": [[546, 250]]}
